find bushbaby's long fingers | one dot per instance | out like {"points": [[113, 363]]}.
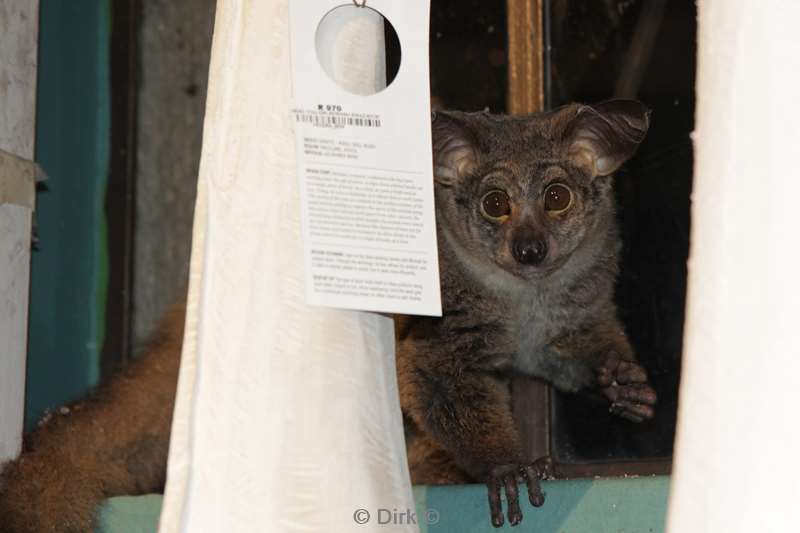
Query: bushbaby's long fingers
{"points": [[637, 393], [635, 412], [535, 494], [512, 497], [533, 473], [630, 372], [495, 507]]}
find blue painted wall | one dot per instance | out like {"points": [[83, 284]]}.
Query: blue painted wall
{"points": [[68, 272]]}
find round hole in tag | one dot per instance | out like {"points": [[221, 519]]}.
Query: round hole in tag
{"points": [[358, 48]]}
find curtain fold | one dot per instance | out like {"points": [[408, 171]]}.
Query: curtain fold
{"points": [[287, 417], [736, 463]]}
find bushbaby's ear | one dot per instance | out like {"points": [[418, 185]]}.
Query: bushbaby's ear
{"points": [[602, 137], [454, 154]]}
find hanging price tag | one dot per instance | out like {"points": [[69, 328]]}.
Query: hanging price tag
{"points": [[362, 122]]}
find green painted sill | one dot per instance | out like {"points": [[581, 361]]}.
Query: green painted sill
{"points": [[629, 505]]}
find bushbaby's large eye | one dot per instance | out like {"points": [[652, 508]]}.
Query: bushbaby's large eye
{"points": [[495, 206], [557, 198]]}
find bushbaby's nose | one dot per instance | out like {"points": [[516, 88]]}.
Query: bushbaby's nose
{"points": [[529, 252]]}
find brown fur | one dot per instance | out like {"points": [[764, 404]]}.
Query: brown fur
{"points": [[113, 443]]}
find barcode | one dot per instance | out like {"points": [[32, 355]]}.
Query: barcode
{"points": [[330, 121]]}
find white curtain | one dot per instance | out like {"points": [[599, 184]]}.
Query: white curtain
{"points": [[287, 416], [737, 463]]}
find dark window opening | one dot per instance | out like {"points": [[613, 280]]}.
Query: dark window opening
{"points": [[642, 50], [468, 49]]}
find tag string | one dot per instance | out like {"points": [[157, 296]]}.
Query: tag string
{"points": [[362, 4]]}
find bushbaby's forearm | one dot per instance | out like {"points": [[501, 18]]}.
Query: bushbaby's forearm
{"points": [[573, 359], [600, 357], [466, 411]]}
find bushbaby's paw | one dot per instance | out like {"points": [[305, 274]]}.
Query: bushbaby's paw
{"points": [[508, 477], [624, 384]]}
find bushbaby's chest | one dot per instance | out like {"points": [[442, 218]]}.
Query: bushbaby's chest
{"points": [[534, 322], [514, 330]]}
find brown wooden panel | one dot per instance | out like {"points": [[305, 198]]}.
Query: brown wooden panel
{"points": [[530, 397], [525, 56], [530, 403]]}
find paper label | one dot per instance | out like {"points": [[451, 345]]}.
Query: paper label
{"points": [[365, 160]]}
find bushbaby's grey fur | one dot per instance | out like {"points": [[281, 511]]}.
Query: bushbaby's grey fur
{"points": [[530, 292]]}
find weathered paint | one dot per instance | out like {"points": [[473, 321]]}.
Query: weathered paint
{"points": [[72, 139], [18, 44]]}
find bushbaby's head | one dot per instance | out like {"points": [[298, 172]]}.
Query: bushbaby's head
{"points": [[524, 192]]}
